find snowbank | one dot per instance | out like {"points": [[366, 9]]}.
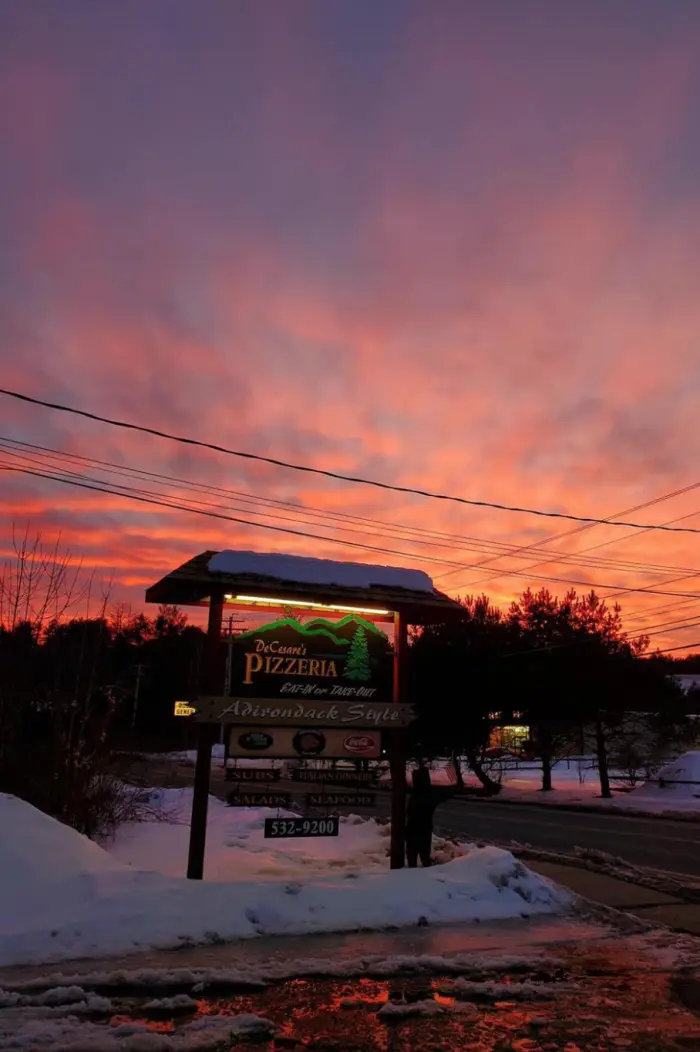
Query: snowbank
{"points": [[661, 794], [301, 568], [237, 849], [73, 899]]}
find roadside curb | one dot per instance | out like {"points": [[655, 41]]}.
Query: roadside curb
{"points": [[617, 869], [629, 812]]}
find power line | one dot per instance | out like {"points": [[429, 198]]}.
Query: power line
{"points": [[275, 462], [664, 624], [669, 631], [621, 591], [534, 548], [629, 536], [659, 610], [670, 650], [131, 493], [35, 453]]}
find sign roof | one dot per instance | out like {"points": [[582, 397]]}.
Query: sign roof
{"points": [[194, 582]]}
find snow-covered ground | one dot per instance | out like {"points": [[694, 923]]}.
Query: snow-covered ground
{"points": [[63, 896], [237, 849], [576, 782]]}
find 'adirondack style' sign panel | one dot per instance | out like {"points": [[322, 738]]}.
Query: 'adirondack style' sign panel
{"points": [[320, 660], [358, 715]]}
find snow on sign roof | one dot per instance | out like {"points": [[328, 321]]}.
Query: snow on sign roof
{"points": [[302, 569]]}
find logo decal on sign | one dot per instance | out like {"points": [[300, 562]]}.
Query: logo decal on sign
{"points": [[309, 743], [359, 743], [255, 741]]}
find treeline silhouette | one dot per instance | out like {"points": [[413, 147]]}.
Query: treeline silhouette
{"points": [[80, 693]]}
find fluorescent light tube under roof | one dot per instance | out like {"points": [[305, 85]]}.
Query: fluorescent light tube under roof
{"points": [[303, 603]]}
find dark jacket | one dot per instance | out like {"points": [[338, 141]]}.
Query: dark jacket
{"points": [[422, 802]]}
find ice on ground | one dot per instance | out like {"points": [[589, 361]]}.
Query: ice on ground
{"points": [[136, 981], [303, 569], [177, 1003], [72, 1035], [407, 1009], [102, 905]]}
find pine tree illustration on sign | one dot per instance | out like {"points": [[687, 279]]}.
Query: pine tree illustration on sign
{"points": [[357, 665]]}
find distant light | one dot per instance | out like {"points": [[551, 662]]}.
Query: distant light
{"points": [[257, 600]]}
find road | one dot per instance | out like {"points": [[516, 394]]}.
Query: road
{"points": [[660, 843]]}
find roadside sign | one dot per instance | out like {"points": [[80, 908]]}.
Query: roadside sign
{"points": [[296, 828], [253, 774], [258, 798], [346, 659], [350, 799], [183, 708]]}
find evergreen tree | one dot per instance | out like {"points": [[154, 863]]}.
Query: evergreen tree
{"points": [[357, 665]]}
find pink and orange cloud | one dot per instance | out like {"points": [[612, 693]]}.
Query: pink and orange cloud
{"points": [[447, 246]]}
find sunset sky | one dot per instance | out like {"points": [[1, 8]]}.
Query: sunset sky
{"points": [[452, 245]]}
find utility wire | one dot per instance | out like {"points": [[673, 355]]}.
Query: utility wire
{"points": [[274, 461], [668, 650], [659, 610], [129, 494], [678, 621], [670, 631], [554, 556], [34, 454], [132, 494]]}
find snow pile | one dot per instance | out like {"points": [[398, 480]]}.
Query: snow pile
{"points": [[675, 788], [685, 769], [302, 569], [71, 898], [43, 862]]}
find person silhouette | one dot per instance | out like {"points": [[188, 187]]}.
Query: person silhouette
{"points": [[420, 811]]}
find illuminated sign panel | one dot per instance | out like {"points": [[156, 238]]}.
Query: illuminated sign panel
{"points": [[321, 660]]}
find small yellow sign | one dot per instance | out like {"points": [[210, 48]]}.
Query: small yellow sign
{"points": [[183, 708]]}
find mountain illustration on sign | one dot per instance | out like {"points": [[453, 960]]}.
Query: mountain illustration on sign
{"points": [[357, 665], [341, 632]]}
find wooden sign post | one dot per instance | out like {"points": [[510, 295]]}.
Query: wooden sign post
{"points": [[398, 753], [206, 737], [316, 675]]}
